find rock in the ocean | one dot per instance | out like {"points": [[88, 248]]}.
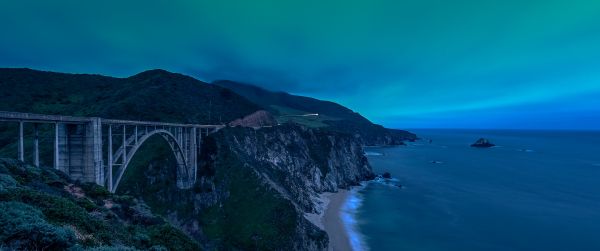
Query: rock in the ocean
{"points": [[482, 143], [386, 175]]}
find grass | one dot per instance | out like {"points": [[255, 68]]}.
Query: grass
{"points": [[287, 115]]}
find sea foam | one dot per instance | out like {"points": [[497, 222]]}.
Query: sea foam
{"points": [[349, 217]]}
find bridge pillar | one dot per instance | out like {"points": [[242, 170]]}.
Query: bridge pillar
{"points": [[21, 142], [56, 148], [36, 146], [94, 170], [110, 159], [79, 151], [194, 153], [61, 147]]}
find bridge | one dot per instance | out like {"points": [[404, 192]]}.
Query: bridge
{"points": [[92, 149]]}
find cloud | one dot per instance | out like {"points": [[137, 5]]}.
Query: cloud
{"points": [[384, 59]]}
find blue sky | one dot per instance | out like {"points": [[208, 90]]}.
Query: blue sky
{"points": [[405, 64]]}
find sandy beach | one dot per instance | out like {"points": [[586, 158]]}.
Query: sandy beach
{"points": [[332, 222]]}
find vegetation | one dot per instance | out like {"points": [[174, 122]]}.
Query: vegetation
{"points": [[41, 209], [253, 217], [154, 95]]}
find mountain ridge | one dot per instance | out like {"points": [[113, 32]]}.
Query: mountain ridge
{"points": [[313, 112]]}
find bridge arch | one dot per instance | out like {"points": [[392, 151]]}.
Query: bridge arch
{"points": [[183, 168]]}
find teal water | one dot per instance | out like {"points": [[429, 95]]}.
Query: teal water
{"points": [[538, 190]]}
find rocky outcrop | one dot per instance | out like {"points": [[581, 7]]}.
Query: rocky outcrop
{"points": [[257, 119], [300, 162], [482, 143]]}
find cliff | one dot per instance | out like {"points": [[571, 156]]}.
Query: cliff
{"points": [[299, 162], [254, 186]]}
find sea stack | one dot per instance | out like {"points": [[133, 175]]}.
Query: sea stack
{"points": [[484, 143]]}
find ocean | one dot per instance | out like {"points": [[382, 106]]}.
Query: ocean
{"points": [[537, 190]]}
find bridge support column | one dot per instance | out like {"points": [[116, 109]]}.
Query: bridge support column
{"points": [[94, 170], [124, 145], [56, 148], [136, 136], [62, 152], [78, 149], [110, 160], [36, 146], [194, 153], [21, 142]]}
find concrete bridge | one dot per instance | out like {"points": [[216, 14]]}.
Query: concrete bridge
{"points": [[93, 149]]}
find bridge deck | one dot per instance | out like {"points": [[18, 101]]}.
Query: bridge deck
{"points": [[43, 118]]}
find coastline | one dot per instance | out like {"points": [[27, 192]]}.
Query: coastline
{"points": [[332, 221]]}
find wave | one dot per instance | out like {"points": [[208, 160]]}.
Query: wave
{"points": [[349, 217], [525, 150], [373, 154]]}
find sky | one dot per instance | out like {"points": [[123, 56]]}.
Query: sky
{"points": [[403, 63]]}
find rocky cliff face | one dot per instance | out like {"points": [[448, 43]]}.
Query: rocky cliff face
{"points": [[254, 186], [299, 162]]}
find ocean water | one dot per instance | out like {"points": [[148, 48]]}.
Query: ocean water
{"points": [[538, 190]]}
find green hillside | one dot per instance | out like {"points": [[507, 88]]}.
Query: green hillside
{"points": [[42, 209], [154, 95], [318, 113]]}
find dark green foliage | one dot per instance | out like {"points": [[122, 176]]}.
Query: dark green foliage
{"points": [[36, 215], [24, 227], [58, 210], [95, 191], [167, 236], [7, 182], [154, 95], [253, 217]]}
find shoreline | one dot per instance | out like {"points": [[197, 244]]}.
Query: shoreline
{"points": [[332, 221]]}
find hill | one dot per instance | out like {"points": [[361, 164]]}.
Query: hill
{"points": [[154, 95], [318, 113]]}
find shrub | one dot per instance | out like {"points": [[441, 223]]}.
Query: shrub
{"points": [[24, 227], [95, 191], [7, 182], [58, 209], [171, 238]]}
